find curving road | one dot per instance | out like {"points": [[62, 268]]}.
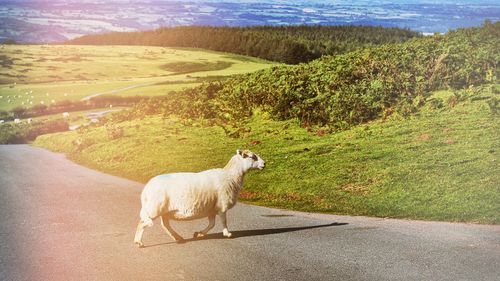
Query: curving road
{"points": [[62, 221], [118, 90]]}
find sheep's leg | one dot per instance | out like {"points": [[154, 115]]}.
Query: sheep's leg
{"points": [[211, 224], [168, 229], [143, 223], [223, 219], [138, 233]]}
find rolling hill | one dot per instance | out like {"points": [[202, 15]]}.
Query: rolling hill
{"points": [[404, 130]]}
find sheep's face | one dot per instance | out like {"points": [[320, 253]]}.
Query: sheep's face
{"points": [[251, 160]]}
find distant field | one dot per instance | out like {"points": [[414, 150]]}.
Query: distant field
{"points": [[44, 74]]}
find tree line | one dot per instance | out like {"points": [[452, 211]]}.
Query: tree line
{"points": [[287, 44]]}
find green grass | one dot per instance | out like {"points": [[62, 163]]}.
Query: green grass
{"points": [[188, 67], [441, 164], [35, 74]]}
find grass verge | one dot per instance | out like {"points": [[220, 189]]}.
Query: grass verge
{"points": [[441, 164]]}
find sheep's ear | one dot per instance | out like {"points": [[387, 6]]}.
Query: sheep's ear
{"points": [[245, 154]]}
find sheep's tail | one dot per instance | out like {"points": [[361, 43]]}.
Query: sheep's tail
{"points": [[145, 217]]}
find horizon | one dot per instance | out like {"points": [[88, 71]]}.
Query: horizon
{"points": [[58, 21]]}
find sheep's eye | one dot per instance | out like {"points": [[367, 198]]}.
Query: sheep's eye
{"points": [[254, 157]]}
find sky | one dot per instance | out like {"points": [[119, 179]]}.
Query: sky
{"points": [[42, 21]]}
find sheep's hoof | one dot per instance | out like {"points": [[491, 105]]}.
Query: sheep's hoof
{"points": [[139, 244], [198, 234]]}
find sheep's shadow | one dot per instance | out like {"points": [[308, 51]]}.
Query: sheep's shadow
{"points": [[252, 232]]}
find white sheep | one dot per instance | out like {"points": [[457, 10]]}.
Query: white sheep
{"points": [[189, 196], [17, 120], [2, 121], [65, 114]]}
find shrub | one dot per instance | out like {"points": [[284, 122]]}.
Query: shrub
{"points": [[493, 105], [82, 143], [46, 127], [114, 132], [23, 132]]}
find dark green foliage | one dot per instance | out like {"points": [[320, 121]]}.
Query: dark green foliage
{"points": [[288, 44], [345, 90], [437, 103], [114, 132], [6, 61], [4, 115], [462, 95], [493, 105], [18, 112], [24, 132]]}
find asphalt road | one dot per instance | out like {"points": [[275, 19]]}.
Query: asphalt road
{"points": [[62, 221]]}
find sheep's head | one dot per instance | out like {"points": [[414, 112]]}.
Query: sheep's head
{"points": [[251, 160]]}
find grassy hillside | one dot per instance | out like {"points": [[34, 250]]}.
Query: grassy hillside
{"points": [[441, 164], [400, 130], [287, 44], [341, 91], [36, 74]]}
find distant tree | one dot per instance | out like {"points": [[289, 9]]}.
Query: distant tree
{"points": [[39, 109], [9, 42], [19, 112]]}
